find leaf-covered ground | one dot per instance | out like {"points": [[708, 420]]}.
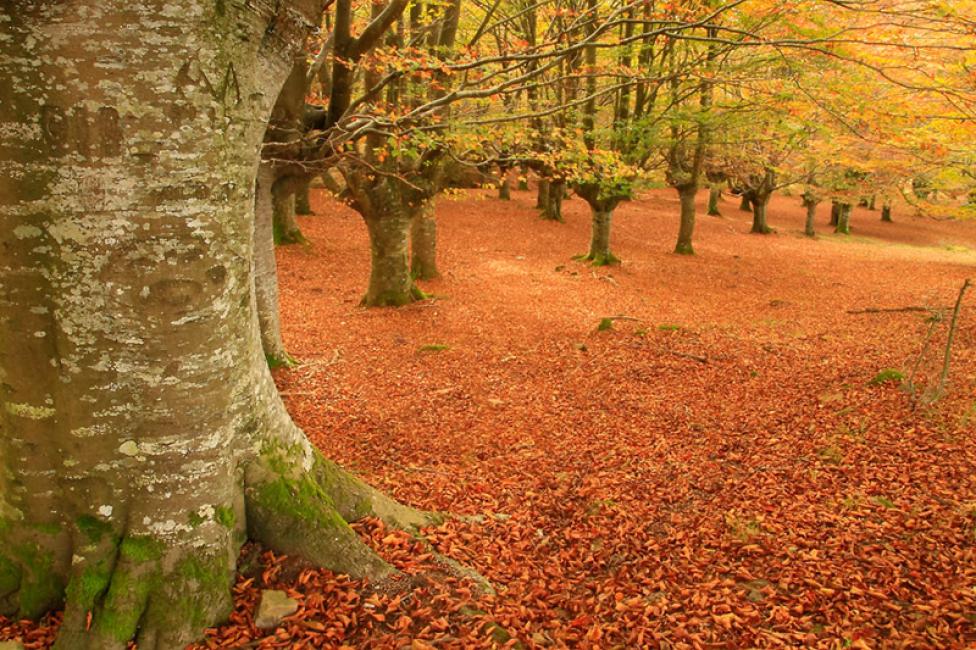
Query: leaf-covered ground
{"points": [[715, 470]]}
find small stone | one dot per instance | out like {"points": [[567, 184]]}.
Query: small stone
{"points": [[129, 448], [273, 607]]}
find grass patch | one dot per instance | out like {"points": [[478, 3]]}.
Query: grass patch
{"points": [[605, 324], [887, 375], [667, 327], [433, 347]]}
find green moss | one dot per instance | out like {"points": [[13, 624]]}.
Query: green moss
{"points": [[41, 589], [118, 619], [433, 347], [48, 528], [670, 328], [224, 515], [84, 588], [9, 576], [887, 375], [605, 324], [93, 528], [601, 259], [684, 249], [195, 519], [141, 548], [286, 361]]}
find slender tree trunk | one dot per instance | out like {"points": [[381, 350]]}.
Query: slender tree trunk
{"points": [[872, 202], [809, 227], [714, 196], [423, 242], [266, 271], [286, 230], [542, 197], [759, 225], [886, 212], [523, 181], [130, 349], [834, 212], [686, 229], [600, 254], [843, 219], [746, 204], [303, 188], [390, 283]]}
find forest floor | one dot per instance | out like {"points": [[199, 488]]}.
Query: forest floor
{"points": [[716, 470]]}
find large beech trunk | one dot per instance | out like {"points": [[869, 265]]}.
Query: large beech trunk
{"points": [[553, 208], [303, 189], [266, 270], [142, 439], [759, 225], [843, 226], [686, 228], [423, 242], [283, 201], [714, 195], [600, 254], [390, 282], [542, 194], [809, 228]]}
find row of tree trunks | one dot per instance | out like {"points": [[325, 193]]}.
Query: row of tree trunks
{"points": [[143, 439]]}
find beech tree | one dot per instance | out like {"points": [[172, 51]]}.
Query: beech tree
{"points": [[143, 440]]}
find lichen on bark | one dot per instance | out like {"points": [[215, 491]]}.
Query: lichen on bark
{"points": [[138, 407]]}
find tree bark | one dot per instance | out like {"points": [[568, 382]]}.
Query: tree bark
{"points": [[542, 197], [759, 225], [390, 283], [746, 204], [143, 439], [843, 219], [714, 195], [303, 188], [553, 209], [886, 212], [523, 181], [809, 228], [505, 187], [266, 270], [834, 212], [423, 243], [686, 228], [600, 254], [286, 230]]}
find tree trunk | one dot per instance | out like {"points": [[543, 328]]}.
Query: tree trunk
{"points": [[686, 229], [843, 219], [266, 271], [390, 283], [303, 188], [872, 202], [542, 197], [746, 204], [600, 254], [553, 210], [759, 225], [523, 181], [809, 228], [505, 188], [714, 195], [423, 242], [834, 212], [886, 212], [143, 439], [286, 230]]}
